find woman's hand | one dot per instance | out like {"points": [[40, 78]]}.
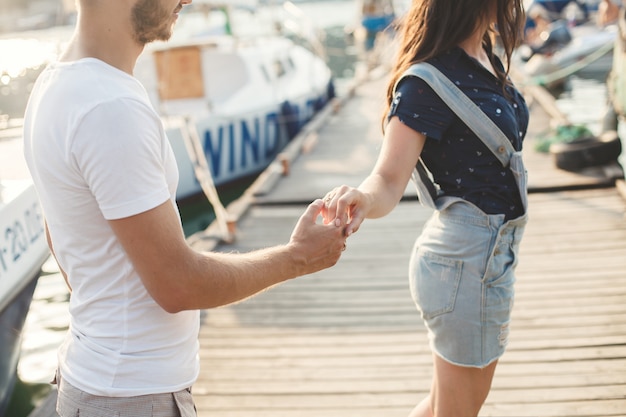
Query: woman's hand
{"points": [[381, 190], [346, 205]]}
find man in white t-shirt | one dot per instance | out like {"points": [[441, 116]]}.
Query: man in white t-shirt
{"points": [[106, 177]]}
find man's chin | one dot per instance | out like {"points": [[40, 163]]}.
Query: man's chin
{"points": [[163, 37], [166, 35]]}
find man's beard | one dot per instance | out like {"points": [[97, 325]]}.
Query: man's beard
{"points": [[150, 23]]}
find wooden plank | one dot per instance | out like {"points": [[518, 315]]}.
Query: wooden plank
{"points": [[304, 344]]}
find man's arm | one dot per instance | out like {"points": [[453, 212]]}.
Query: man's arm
{"points": [[179, 278]]}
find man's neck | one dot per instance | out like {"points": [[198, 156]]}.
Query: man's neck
{"points": [[109, 42]]}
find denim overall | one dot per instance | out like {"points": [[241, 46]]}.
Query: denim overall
{"points": [[462, 267]]}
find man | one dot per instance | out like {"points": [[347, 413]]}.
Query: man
{"points": [[106, 177]]}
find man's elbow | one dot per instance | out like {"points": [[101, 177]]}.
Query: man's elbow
{"points": [[173, 301], [172, 295]]}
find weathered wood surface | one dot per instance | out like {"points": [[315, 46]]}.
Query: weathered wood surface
{"points": [[348, 341]]}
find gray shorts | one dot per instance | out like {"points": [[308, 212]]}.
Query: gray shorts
{"points": [[72, 402], [461, 278]]}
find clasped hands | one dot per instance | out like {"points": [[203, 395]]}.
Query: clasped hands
{"points": [[320, 245]]}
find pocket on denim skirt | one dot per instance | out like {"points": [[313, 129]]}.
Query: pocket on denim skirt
{"points": [[501, 265], [434, 282]]}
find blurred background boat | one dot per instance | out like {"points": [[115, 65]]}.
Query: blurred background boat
{"points": [[23, 250], [564, 38], [568, 50]]}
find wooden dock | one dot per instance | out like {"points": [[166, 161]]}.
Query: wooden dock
{"points": [[348, 341]]}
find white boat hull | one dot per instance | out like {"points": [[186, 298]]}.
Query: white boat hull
{"points": [[23, 247], [23, 250]]}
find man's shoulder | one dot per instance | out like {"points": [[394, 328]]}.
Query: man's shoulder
{"points": [[91, 78]]}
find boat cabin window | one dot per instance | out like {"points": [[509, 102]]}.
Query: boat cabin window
{"points": [[279, 69], [179, 73], [265, 74], [198, 72]]}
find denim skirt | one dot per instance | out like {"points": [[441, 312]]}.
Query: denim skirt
{"points": [[462, 281]]}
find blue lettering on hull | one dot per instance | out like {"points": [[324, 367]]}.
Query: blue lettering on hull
{"points": [[244, 146], [241, 147]]}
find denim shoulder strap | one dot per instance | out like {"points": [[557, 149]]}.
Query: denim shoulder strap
{"points": [[465, 108]]}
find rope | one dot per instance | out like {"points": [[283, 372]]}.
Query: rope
{"points": [[203, 174]]}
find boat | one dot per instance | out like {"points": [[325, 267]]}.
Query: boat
{"points": [[23, 251], [563, 50], [231, 95], [574, 10], [564, 37]]}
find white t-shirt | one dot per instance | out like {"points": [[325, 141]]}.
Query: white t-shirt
{"points": [[97, 151]]}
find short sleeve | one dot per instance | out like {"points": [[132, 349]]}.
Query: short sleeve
{"points": [[118, 149], [420, 108]]}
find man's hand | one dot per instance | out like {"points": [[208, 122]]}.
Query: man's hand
{"points": [[318, 246]]}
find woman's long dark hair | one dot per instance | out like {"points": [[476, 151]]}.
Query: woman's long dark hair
{"points": [[432, 27]]}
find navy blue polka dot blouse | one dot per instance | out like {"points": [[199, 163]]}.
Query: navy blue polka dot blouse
{"points": [[459, 161]]}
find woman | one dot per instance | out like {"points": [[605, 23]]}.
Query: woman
{"points": [[461, 269]]}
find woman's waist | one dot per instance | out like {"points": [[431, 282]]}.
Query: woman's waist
{"points": [[463, 211], [490, 201]]}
